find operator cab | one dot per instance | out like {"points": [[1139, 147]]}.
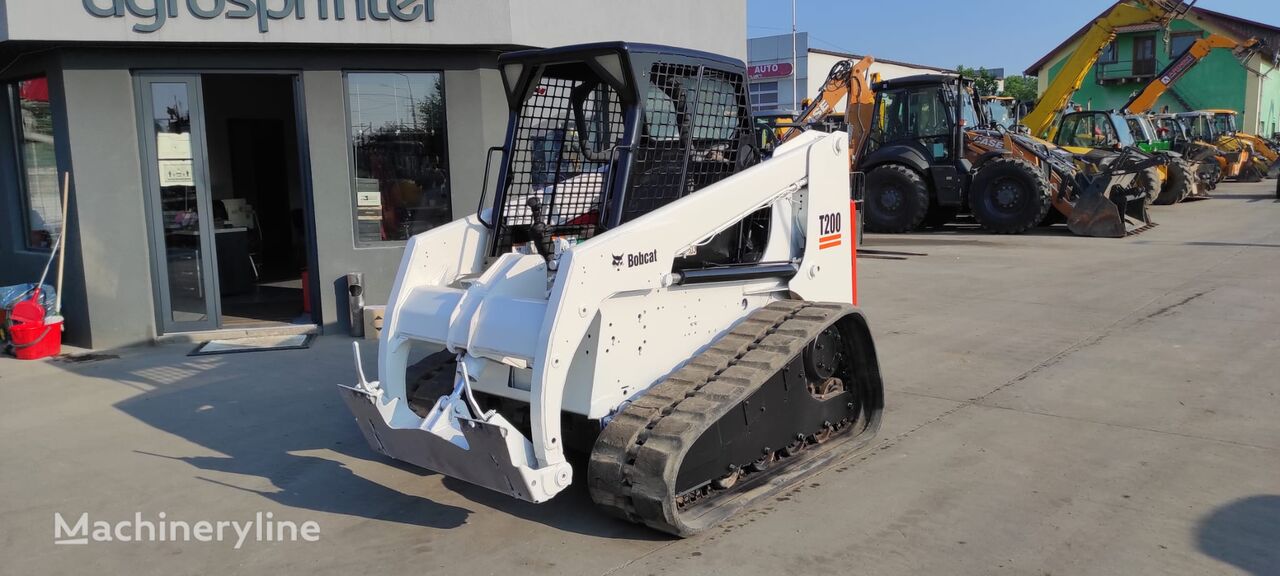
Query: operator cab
{"points": [[1169, 128], [923, 112], [1224, 122], [601, 134], [1200, 126], [1094, 129]]}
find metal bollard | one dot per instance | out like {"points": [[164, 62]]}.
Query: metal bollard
{"points": [[355, 303]]}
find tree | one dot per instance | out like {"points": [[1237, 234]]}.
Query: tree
{"points": [[1021, 88], [984, 81]]}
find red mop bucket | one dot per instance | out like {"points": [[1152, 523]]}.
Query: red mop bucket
{"points": [[34, 335], [36, 340]]}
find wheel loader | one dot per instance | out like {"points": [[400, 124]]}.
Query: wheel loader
{"points": [[640, 306]]}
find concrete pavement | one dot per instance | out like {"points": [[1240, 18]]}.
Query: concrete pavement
{"points": [[1055, 405]]}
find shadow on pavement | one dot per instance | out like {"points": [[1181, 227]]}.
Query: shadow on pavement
{"points": [[1244, 534], [277, 416], [271, 415]]}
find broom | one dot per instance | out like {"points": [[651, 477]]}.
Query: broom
{"points": [[62, 251]]}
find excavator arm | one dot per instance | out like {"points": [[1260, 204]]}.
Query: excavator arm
{"points": [[847, 81], [1146, 99], [1040, 121]]}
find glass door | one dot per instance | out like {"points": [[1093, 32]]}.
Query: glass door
{"points": [[181, 212]]}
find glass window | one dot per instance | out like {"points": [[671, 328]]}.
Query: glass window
{"points": [[764, 96], [1178, 43], [968, 114], [401, 163], [33, 134], [1087, 131], [1224, 123], [1108, 54], [1136, 129]]}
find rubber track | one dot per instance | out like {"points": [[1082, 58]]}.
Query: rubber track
{"points": [[633, 467]]}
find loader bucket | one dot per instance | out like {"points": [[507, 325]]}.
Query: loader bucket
{"points": [[1120, 212]]}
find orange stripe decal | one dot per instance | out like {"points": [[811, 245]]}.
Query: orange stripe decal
{"points": [[829, 245], [828, 238]]}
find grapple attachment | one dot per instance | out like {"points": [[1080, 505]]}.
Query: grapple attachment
{"points": [[1119, 212], [1112, 203]]}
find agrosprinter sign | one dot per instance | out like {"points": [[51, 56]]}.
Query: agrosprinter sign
{"points": [[155, 13]]}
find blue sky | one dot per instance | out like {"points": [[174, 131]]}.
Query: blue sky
{"points": [[1011, 34]]}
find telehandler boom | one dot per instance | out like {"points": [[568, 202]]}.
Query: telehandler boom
{"points": [[1041, 120], [1144, 101]]}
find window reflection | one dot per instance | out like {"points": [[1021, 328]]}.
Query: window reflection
{"points": [[401, 163], [33, 127]]}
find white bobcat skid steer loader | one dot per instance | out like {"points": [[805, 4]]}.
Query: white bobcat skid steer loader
{"points": [[641, 290]]}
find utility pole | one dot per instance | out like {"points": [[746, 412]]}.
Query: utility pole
{"points": [[795, 64]]}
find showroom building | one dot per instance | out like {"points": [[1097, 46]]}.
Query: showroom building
{"points": [[233, 160]]}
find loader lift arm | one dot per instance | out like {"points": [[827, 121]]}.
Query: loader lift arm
{"points": [[1040, 121], [1145, 100]]}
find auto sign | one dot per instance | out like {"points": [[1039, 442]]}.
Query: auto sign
{"points": [[777, 70]]}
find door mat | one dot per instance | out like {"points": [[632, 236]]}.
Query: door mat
{"points": [[254, 344]]}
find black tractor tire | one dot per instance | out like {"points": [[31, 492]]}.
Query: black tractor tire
{"points": [[1180, 184], [1210, 174], [1149, 180], [897, 199], [1009, 196]]}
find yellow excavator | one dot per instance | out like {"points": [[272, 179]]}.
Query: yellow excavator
{"points": [[1041, 120]]}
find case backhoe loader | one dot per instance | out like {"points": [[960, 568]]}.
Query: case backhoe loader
{"points": [[932, 153], [1235, 157], [639, 289], [1264, 157], [917, 179]]}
